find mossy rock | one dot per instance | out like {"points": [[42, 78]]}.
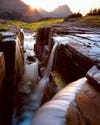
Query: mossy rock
{"points": [[58, 80], [1, 36]]}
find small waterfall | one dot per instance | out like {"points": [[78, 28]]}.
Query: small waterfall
{"points": [[54, 112], [27, 97], [43, 82], [32, 103], [30, 77], [19, 59]]}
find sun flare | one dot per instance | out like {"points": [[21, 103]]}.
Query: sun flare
{"points": [[35, 4], [75, 5]]}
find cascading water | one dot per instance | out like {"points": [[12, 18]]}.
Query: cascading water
{"points": [[26, 105], [43, 82], [34, 101], [54, 112], [19, 58]]}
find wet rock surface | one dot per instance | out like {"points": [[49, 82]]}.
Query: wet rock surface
{"points": [[13, 55], [85, 110], [78, 52], [77, 55], [7, 46], [94, 77]]}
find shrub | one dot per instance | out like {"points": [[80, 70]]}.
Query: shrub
{"points": [[74, 15], [94, 12]]}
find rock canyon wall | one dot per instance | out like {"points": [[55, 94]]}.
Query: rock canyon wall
{"points": [[11, 69]]}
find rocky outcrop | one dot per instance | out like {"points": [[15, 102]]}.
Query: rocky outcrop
{"points": [[44, 38], [77, 55], [11, 46], [85, 110], [74, 57], [41, 41], [94, 76], [7, 46]]}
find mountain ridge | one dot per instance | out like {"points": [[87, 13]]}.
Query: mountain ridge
{"points": [[18, 10]]}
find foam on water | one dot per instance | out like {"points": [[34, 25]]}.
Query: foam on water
{"points": [[54, 112]]}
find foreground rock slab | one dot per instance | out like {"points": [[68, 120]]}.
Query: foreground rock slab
{"points": [[85, 109]]}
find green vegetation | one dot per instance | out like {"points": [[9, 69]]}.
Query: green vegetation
{"points": [[2, 27], [94, 12], [90, 20], [1, 36], [59, 81], [75, 15], [36, 25], [5, 25]]}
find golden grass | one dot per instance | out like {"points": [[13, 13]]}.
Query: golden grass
{"points": [[91, 20], [7, 24]]}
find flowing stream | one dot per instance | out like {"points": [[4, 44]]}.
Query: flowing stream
{"points": [[29, 85], [54, 112], [32, 90], [44, 81]]}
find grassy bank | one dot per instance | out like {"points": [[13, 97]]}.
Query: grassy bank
{"points": [[7, 24], [90, 20]]}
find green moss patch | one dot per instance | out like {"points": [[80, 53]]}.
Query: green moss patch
{"points": [[59, 81]]}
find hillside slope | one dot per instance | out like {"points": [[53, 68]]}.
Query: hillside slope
{"points": [[17, 10]]}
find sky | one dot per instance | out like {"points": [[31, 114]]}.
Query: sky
{"points": [[82, 6]]}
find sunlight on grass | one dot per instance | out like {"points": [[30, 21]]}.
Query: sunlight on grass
{"points": [[36, 25], [91, 20], [4, 27], [30, 26], [7, 24]]}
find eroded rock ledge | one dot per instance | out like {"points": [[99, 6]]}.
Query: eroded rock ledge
{"points": [[77, 56], [11, 70]]}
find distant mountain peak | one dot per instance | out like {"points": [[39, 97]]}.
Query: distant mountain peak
{"points": [[18, 10], [62, 11]]}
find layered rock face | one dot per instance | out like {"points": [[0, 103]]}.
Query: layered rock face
{"points": [[85, 109], [9, 45], [74, 57], [77, 55]]}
